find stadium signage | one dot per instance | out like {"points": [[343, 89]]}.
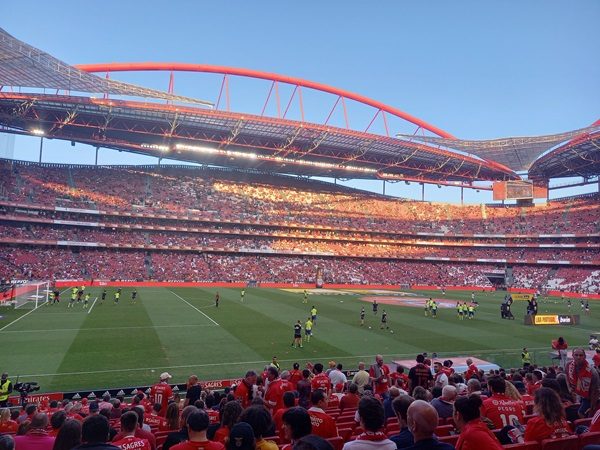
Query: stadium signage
{"points": [[552, 319], [521, 296]]}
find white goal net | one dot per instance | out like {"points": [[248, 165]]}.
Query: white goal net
{"points": [[30, 295]]}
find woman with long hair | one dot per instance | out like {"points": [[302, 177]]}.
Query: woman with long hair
{"points": [[550, 421], [172, 417], [6, 424], [69, 435], [473, 432], [229, 417]]}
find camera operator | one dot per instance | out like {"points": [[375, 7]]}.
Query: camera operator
{"points": [[6, 388]]}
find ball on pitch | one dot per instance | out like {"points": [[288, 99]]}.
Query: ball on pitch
{"points": [[369, 328]]}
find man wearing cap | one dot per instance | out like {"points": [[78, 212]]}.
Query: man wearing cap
{"points": [[6, 388], [161, 392], [197, 424]]}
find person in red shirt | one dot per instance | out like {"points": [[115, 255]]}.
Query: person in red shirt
{"points": [[6, 424], [380, 376], [499, 408], [596, 359], [197, 424], [536, 382], [351, 399], [550, 422], [161, 393], [295, 374], [296, 424], [275, 390], [399, 378], [289, 401], [474, 434], [472, 370], [243, 391], [139, 431], [583, 380], [323, 424], [129, 422], [229, 417], [154, 420], [320, 380]]}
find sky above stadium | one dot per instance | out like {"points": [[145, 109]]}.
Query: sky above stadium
{"points": [[478, 70]]}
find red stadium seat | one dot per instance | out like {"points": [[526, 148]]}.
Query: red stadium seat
{"points": [[589, 438], [337, 443], [452, 440], [567, 443]]}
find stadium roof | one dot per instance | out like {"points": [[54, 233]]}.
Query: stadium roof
{"points": [[517, 153], [22, 65], [206, 136]]}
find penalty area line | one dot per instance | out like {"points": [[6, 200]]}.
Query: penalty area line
{"points": [[93, 303], [189, 304], [26, 314]]}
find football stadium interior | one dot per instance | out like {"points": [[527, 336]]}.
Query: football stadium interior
{"points": [[217, 256]]}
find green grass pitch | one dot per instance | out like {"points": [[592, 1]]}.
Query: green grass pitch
{"points": [[181, 331]]}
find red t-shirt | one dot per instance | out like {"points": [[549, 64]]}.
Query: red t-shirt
{"points": [[322, 424], [596, 360], [204, 445], [399, 379], [132, 443], [10, 426], [349, 401], [156, 421], [242, 392], [275, 391], [472, 370], [213, 416], [501, 410], [295, 376], [278, 421], [527, 400], [161, 393], [382, 385], [476, 436], [537, 429], [321, 381], [221, 434]]}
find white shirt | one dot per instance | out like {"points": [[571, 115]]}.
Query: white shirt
{"points": [[337, 377]]}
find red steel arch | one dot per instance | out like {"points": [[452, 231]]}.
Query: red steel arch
{"points": [[187, 67]]}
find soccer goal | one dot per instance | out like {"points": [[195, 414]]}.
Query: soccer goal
{"points": [[30, 295]]}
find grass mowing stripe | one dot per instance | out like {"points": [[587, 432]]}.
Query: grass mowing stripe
{"points": [[244, 363], [184, 300], [107, 328]]}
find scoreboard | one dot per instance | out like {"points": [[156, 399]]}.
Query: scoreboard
{"points": [[518, 190]]}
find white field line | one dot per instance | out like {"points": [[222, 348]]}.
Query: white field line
{"points": [[262, 362], [26, 314], [192, 306], [93, 303], [108, 328]]}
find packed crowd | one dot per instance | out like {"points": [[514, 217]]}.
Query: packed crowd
{"points": [[222, 194], [429, 406]]}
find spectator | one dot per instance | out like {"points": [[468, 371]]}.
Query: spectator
{"points": [[422, 420], [350, 399], [139, 431], [444, 405], [181, 435], [379, 374], [550, 422], [197, 424], [7, 442], [259, 418], [241, 437], [404, 438], [36, 437], [297, 424], [499, 408], [304, 389], [7, 425], [419, 375], [474, 434], [172, 418], [69, 435], [129, 424], [94, 434], [312, 442], [584, 382], [229, 417], [371, 414], [361, 378], [322, 423], [289, 400], [193, 391]]}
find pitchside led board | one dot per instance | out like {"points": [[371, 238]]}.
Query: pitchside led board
{"points": [[518, 190], [552, 319]]}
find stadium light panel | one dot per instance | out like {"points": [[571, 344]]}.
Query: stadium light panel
{"points": [[38, 132]]}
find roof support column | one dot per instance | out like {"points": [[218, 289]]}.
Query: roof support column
{"points": [[41, 147], [422, 192]]}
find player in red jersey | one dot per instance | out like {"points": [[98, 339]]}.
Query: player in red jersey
{"points": [[161, 392], [499, 408], [320, 380], [129, 422], [322, 423], [197, 424]]}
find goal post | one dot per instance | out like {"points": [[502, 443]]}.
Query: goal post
{"points": [[30, 295]]}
